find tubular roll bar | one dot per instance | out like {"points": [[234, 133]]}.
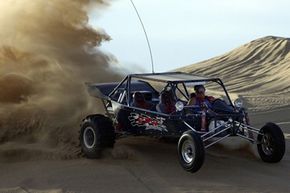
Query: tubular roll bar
{"points": [[205, 136]]}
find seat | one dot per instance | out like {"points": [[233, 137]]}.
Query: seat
{"points": [[140, 102], [166, 104]]}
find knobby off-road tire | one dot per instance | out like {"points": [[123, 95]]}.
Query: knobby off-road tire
{"points": [[97, 132], [271, 145], [191, 151]]}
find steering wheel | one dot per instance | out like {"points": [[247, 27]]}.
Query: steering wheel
{"points": [[221, 107], [217, 100]]}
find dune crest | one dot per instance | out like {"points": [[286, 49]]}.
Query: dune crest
{"points": [[258, 71]]}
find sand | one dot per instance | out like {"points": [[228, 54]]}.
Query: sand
{"points": [[257, 71], [140, 164]]}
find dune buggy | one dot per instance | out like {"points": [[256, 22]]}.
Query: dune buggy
{"points": [[223, 119]]}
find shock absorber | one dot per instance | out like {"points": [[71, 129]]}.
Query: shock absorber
{"points": [[203, 119]]}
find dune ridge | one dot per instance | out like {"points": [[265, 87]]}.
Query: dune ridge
{"points": [[257, 71]]}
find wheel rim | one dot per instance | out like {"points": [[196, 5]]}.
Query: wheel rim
{"points": [[267, 146], [188, 151], [89, 137]]}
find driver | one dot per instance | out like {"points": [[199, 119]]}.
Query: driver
{"points": [[198, 98]]}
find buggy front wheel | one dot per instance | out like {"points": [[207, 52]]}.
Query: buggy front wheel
{"points": [[190, 151]]}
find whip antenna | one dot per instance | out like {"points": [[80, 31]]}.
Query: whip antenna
{"points": [[147, 39]]}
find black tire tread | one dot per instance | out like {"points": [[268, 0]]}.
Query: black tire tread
{"points": [[199, 150], [106, 134], [279, 143]]}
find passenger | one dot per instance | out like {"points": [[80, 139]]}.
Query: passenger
{"points": [[140, 102], [202, 101], [166, 103], [199, 98]]}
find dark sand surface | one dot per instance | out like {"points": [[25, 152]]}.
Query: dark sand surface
{"points": [[150, 165]]}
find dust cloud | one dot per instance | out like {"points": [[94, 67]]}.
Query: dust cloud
{"points": [[48, 51]]}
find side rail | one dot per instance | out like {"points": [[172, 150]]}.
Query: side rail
{"points": [[225, 130]]}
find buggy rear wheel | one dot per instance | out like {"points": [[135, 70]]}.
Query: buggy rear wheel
{"points": [[271, 146], [190, 151], [96, 133]]}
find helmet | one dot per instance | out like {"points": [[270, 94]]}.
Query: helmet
{"points": [[197, 87]]}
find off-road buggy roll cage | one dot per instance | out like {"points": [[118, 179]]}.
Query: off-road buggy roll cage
{"points": [[117, 101], [106, 93], [171, 78]]}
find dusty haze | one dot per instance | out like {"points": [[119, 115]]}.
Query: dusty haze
{"points": [[47, 52]]}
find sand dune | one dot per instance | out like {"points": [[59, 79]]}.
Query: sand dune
{"points": [[258, 71]]}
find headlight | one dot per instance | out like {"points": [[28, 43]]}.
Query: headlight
{"points": [[179, 106], [238, 103]]}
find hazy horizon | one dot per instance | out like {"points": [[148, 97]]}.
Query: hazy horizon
{"points": [[185, 32]]}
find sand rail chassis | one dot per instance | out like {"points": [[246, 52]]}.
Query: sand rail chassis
{"points": [[230, 128], [99, 131]]}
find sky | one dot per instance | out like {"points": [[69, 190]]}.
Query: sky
{"points": [[184, 32]]}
